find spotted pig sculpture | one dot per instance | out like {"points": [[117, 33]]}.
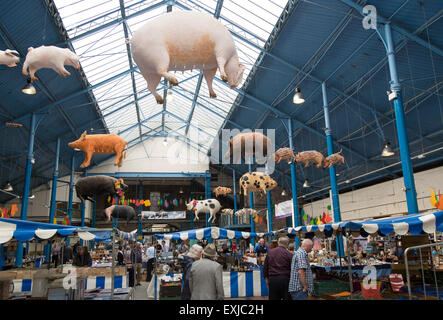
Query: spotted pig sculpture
{"points": [[222, 191], [49, 57], [211, 206], [284, 154], [88, 187], [118, 211], [102, 144], [256, 181], [248, 143], [333, 159], [9, 58], [245, 211], [310, 156], [185, 40]]}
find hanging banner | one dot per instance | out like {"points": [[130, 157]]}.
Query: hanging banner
{"points": [[164, 215], [283, 209]]}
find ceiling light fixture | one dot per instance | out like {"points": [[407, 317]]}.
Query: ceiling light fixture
{"points": [[8, 187], [298, 97], [387, 150], [170, 97], [29, 88], [165, 142], [283, 193], [306, 184]]}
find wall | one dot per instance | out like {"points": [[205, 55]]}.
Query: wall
{"points": [[175, 157], [384, 199]]}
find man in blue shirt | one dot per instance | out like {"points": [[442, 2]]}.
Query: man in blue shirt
{"points": [[301, 281], [261, 248]]}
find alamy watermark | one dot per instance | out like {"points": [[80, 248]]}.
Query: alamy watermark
{"points": [[370, 17]]}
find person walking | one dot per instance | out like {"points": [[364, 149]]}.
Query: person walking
{"points": [[56, 252], [301, 282], [150, 253], [193, 255], [206, 277], [136, 258], [277, 270], [68, 254], [120, 257]]}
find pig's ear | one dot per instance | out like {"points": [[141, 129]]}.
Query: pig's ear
{"points": [[30, 48], [83, 135]]}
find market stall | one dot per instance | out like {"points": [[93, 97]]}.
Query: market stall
{"points": [[244, 279], [414, 224], [25, 281]]}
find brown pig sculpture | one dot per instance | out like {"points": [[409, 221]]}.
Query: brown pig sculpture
{"points": [[284, 154], [310, 156], [222, 191], [255, 141], [101, 144], [333, 159]]}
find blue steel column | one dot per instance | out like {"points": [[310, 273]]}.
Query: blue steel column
{"points": [[27, 184], [408, 174], [71, 190], [269, 203], [235, 196], [53, 195], [82, 215], [207, 193], [332, 175], [93, 216], [295, 214], [251, 203], [140, 209], [191, 214]]}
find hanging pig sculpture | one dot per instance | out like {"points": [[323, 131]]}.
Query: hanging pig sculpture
{"points": [[102, 144], [49, 57], [248, 144], [185, 40], [333, 159], [211, 206], [222, 191], [256, 182], [310, 156], [88, 187], [9, 58], [118, 211], [284, 154]]}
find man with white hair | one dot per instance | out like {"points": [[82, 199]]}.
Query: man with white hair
{"points": [[194, 254], [301, 282]]}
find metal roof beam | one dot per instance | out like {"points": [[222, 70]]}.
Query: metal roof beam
{"points": [[184, 121], [397, 28], [131, 65]]}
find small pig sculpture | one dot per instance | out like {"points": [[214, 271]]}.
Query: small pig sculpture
{"points": [[222, 191], [49, 57], [333, 159], [245, 211], [88, 187], [256, 181], [9, 57], [310, 156], [248, 143], [211, 206], [284, 154], [102, 144], [185, 40], [118, 211], [227, 211]]}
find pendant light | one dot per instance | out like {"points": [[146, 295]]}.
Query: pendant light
{"points": [[298, 97], [8, 187], [165, 142], [387, 150], [306, 184], [283, 193], [170, 97], [29, 88]]}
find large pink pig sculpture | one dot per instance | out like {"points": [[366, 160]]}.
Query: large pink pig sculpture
{"points": [[187, 40], [49, 57]]}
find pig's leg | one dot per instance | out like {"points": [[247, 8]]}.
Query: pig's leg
{"points": [[32, 71], [221, 62], [209, 77], [62, 71], [88, 156], [153, 80]]}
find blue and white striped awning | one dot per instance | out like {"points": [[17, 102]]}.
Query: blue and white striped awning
{"points": [[414, 224], [23, 231], [127, 235], [210, 233]]}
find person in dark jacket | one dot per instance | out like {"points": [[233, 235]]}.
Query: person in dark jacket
{"points": [[68, 254], [136, 258], [82, 258], [194, 254], [120, 257]]}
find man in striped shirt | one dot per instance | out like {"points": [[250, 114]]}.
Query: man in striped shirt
{"points": [[301, 282]]}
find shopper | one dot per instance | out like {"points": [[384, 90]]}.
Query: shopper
{"points": [[136, 258], [82, 258], [127, 255], [261, 248], [301, 282], [194, 254], [68, 254], [120, 257], [56, 252], [277, 270], [150, 253], [165, 247], [291, 247], [206, 277], [183, 247]]}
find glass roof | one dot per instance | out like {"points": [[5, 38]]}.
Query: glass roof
{"points": [[97, 31]]}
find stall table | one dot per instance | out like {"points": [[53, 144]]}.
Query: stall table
{"points": [[383, 270]]}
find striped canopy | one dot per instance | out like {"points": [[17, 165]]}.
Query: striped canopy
{"points": [[210, 233], [23, 231], [127, 235], [413, 224]]}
